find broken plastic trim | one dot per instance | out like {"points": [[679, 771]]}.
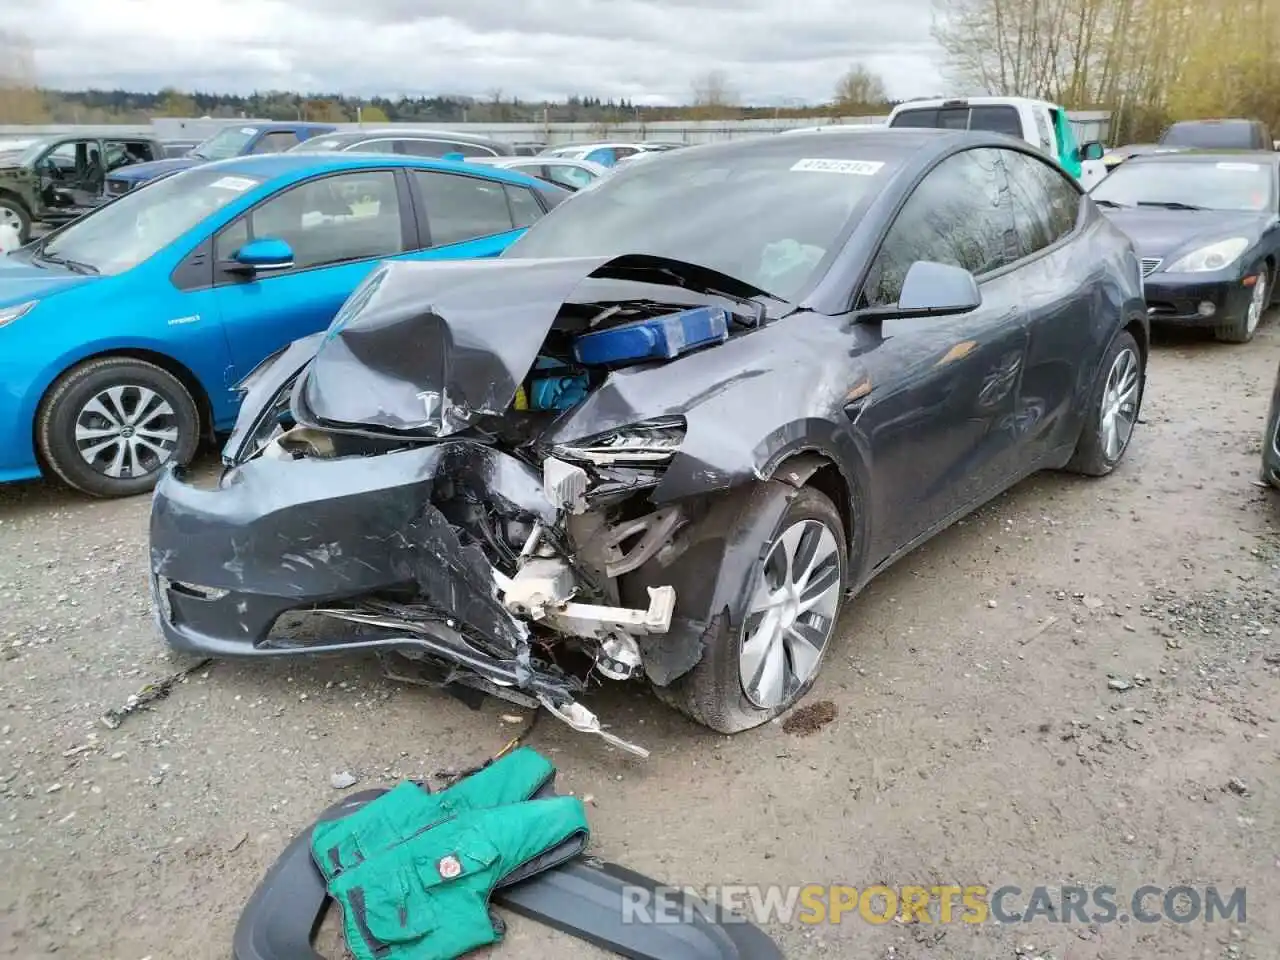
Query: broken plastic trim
{"points": [[646, 443]]}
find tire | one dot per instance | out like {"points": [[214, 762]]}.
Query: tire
{"points": [[714, 693], [1094, 456], [1242, 328], [15, 213], [98, 402]]}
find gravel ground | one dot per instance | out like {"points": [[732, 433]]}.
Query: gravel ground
{"points": [[1079, 684]]}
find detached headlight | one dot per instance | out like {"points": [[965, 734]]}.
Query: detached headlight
{"points": [[10, 314], [1213, 257], [648, 443], [272, 421]]}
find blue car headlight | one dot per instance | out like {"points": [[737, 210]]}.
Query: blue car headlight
{"points": [[10, 314]]}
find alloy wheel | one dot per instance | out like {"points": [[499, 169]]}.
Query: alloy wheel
{"points": [[126, 431], [9, 218], [1257, 303], [791, 615], [1120, 404]]}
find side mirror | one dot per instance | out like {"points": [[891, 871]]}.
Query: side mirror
{"points": [[266, 255], [1092, 150], [930, 290]]}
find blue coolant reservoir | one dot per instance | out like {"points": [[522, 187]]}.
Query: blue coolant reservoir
{"points": [[659, 338]]}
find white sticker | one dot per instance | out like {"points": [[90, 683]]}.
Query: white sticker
{"points": [[238, 184], [1238, 166], [248, 131], [857, 168]]}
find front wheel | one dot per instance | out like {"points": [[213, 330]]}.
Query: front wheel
{"points": [[15, 218], [109, 425], [1242, 328], [1113, 409], [752, 673]]}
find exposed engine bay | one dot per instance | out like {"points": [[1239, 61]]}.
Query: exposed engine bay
{"points": [[416, 473]]}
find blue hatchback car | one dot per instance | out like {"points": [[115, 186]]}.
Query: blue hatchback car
{"points": [[123, 334]]}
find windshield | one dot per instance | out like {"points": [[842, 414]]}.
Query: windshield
{"points": [[122, 234], [765, 217], [1221, 185], [226, 143]]}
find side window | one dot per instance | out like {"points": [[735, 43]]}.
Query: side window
{"points": [[276, 142], [350, 216], [575, 178], [958, 214], [604, 155], [916, 118], [621, 152], [426, 148], [1045, 205], [376, 146], [461, 208], [1043, 131], [524, 205]]}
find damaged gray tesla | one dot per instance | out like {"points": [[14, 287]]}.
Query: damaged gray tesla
{"points": [[670, 429]]}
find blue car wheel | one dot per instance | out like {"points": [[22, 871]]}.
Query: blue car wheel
{"points": [[108, 426]]}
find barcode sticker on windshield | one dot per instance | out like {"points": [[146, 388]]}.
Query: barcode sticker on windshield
{"points": [[1238, 166], [857, 168], [238, 184]]}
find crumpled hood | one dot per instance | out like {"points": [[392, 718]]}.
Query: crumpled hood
{"points": [[149, 171], [427, 347], [1159, 233]]}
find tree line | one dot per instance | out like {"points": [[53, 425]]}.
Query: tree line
{"points": [[1150, 62], [711, 97]]}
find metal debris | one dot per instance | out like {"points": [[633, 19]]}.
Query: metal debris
{"points": [[343, 780], [148, 695]]}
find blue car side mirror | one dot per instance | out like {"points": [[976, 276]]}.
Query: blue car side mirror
{"points": [[930, 290], [265, 255]]}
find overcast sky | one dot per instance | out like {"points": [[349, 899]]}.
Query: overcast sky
{"points": [[646, 50]]}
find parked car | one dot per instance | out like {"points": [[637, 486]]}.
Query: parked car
{"points": [[415, 143], [571, 174], [1271, 439], [55, 179], [123, 334], [671, 426], [232, 141], [1231, 134], [605, 154], [1118, 155], [1207, 226], [1036, 121], [839, 128]]}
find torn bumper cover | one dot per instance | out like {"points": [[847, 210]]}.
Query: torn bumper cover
{"points": [[291, 535]]}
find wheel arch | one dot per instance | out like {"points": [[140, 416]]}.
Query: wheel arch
{"points": [[165, 362], [8, 194], [815, 469]]}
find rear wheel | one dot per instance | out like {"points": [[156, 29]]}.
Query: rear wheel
{"points": [[752, 673], [108, 426]]}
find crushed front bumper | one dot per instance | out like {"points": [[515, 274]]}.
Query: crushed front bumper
{"points": [[302, 534]]}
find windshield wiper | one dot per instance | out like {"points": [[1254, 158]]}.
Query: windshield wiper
{"points": [[1169, 204], [75, 266], [1109, 203]]}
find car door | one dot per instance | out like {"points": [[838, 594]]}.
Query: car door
{"points": [[339, 226], [1060, 289], [465, 216], [567, 175], [939, 417]]}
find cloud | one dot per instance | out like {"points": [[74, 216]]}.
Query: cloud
{"points": [[650, 51]]}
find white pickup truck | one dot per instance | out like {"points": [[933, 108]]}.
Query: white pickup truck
{"points": [[1042, 124]]}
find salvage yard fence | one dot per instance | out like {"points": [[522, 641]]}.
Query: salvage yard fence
{"points": [[1089, 125]]}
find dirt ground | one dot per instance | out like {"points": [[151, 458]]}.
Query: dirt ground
{"points": [[975, 736]]}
